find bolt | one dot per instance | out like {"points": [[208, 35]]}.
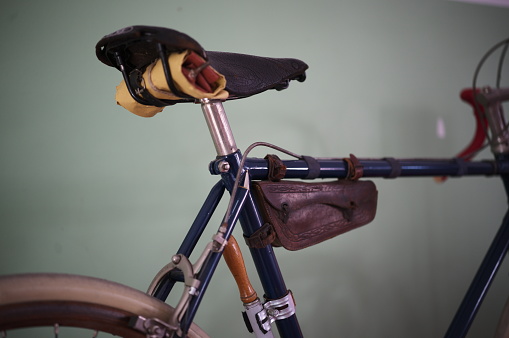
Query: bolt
{"points": [[175, 259], [273, 312], [224, 166]]}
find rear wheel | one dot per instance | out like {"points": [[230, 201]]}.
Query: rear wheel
{"points": [[503, 324], [58, 300]]}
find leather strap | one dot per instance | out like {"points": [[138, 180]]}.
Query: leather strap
{"points": [[395, 167], [277, 169], [355, 169], [261, 237], [313, 167]]}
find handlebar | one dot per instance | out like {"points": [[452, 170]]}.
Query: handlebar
{"points": [[490, 96], [467, 95]]}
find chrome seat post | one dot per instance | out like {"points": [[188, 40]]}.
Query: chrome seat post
{"points": [[219, 127]]}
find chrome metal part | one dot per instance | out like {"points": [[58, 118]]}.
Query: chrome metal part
{"points": [[276, 309], [499, 132], [175, 259], [219, 127], [224, 166], [180, 262], [281, 308], [219, 242], [189, 272], [191, 283], [153, 328], [257, 317], [492, 95], [496, 121]]}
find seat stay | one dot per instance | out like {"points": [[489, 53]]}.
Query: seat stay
{"points": [[193, 236]]}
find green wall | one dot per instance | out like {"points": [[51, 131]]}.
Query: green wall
{"points": [[88, 188]]}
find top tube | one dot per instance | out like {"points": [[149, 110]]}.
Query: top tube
{"points": [[383, 168]]}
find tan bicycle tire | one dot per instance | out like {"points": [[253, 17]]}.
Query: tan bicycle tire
{"points": [[503, 324], [30, 300]]}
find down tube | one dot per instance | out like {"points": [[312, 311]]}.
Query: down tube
{"points": [[268, 268]]}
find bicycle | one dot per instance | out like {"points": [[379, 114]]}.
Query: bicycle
{"points": [[59, 300]]}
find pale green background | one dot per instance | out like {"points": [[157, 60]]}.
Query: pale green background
{"points": [[88, 188]]}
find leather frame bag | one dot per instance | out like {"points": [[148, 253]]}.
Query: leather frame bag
{"points": [[304, 214]]}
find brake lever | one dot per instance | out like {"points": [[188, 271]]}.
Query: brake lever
{"points": [[468, 96]]}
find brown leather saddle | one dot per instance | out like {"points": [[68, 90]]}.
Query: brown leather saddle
{"points": [[133, 48]]}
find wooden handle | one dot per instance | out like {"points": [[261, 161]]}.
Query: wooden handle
{"points": [[235, 262]]}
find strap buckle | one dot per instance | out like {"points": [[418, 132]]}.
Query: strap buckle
{"points": [[262, 237], [355, 168], [277, 170]]}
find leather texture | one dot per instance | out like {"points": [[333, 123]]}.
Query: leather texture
{"points": [[304, 214], [139, 44], [247, 75]]}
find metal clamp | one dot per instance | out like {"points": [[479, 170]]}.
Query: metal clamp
{"points": [[219, 241], [153, 328], [276, 309], [189, 272], [191, 287]]}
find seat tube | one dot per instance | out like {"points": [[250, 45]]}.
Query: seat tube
{"points": [[268, 269], [263, 259]]}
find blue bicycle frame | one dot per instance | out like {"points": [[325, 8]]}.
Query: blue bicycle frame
{"points": [[243, 208]]}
